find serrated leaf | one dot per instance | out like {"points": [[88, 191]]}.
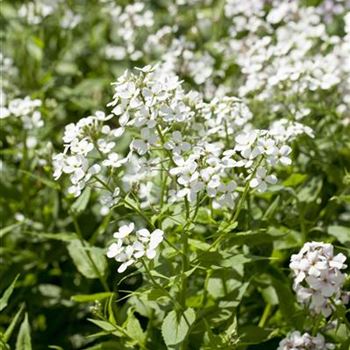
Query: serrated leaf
{"points": [[24, 339], [134, 329], [176, 326], [92, 265]]}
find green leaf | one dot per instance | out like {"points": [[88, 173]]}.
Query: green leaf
{"points": [[224, 228], [134, 329], [13, 324], [34, 49], [7, 229], [59, 236], [90, 261], [6, 296], [254, 238], [107, 327], [272, 208], [87, 298], [109, 345], [270, 296], [176, 326], [197, 244], [210, 259], [341, 233], [295, 180], [310, 191], [286, 300], [290, 238], [156, 293], [23, 339], [81, 203], [253, 334], [226, 283], [49, 183]]}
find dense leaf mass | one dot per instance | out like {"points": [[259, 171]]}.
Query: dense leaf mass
{"points": [[175, 174]]}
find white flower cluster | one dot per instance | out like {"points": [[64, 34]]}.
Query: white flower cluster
{"points": [[7, 71], [297, 341], [34, 12], [133, 245], [318, 279], [78, 139], [129, 23], [288, 57], [203, 149], [26, 109]]}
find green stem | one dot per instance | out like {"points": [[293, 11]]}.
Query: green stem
{"points": [[240, 204], [316, 324], [104, 184], [185, 251], [159, 286], [139, 211], [123, 331], [265, 315], [341, 315], [24, 177]]}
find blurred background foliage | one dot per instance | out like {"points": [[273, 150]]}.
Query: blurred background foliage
{"points": [[66, 67]]}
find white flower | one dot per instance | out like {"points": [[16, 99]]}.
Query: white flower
{"points": [[114, 249], [126, 258], [108, 200], [58, 164], [131, 245], [104, 146], [226, 195], [317, 276], [82, 147], [297, 341], [76, 188], [114, 160], [4, 112], [71, 132], [261, 180], [148, 242], [267, 146], [176, 143], [282, 155], [124, 231], [76, 166]]}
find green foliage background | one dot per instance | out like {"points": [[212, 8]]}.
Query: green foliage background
{"points": [[57, 285]]}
